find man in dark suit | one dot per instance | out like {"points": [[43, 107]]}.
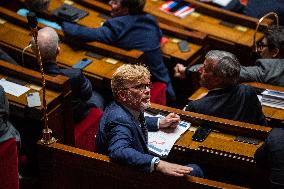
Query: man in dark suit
{"points": [[271, 156], [83, 95], [123, 130], [129, 29], [226, 98]]}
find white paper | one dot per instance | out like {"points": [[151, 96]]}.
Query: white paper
{"points": [[13, 88], [162, 141], [222, 3], [273, 99]]}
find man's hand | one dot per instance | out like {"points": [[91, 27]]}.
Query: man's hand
{"points": [[170, 121], [173, 169], [179, 71]]}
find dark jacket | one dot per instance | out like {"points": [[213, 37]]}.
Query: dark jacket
{"points": [[7, 130], [270, 71], [120, 136], [139, 32], [239, 103], [81, 88]]}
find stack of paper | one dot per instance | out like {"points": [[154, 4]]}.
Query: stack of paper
{"points": [[13, 88], [178, 9], [273, 99], [161, 142]]}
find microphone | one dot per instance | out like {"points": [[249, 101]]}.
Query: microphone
{"points": [[32, 20]]}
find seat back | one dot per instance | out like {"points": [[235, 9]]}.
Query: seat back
{"points": [[9, 176], [85, 130], [158, 93]]}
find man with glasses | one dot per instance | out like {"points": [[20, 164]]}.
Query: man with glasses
{"points": [[226, 98], [123, 130], [270, 68]]}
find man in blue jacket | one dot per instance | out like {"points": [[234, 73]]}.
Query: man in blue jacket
{"points": [[129, 28], [123, 130]]}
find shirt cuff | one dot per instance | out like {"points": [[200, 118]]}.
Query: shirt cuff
{"points": [[152, 168], [158, 123]]}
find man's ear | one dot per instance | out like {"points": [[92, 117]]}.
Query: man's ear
{"points": [[121, 95], [274, 52], [57, 50]]}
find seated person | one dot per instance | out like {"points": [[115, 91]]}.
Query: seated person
{"points": [[226, 98], [83, 95], [4, 56], [129, 29], [7, 130], [123, 130], [270, 67], [271, 156]]}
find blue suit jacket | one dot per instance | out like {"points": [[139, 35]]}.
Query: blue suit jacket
{"points": [[120, 136], [239, 103], [129, 32], [80, 85]]}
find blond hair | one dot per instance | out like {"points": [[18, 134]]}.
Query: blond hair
{"points": [[127, 74]]}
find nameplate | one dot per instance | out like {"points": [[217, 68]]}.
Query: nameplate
{"points": [[111, 61], [68, 2], [2, 21], [242, 28]]}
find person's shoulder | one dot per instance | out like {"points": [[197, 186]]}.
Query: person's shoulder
{"points": [[72, 72], [116, 113], [245, 88]]}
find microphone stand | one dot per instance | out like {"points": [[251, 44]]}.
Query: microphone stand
{"points": [[46, 132], [258, 24]]}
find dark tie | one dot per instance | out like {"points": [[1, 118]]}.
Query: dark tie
{"points": [[143, 126]]}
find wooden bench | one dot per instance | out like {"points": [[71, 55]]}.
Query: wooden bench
{"points": [[67, 167], [58, 99]]}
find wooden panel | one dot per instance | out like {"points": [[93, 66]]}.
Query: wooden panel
{"points": [[63, 167], [99, 71], [219, 154], [58, 99]]}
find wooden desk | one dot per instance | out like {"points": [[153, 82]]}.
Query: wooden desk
{"points": [[237, 39], [101, 48], [219, 151], [66, 167], [274, 116], [14, 38], [170, 50], [58, 99]]}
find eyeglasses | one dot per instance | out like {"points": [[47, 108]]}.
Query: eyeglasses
{"points": [[141, 87], [260, 46]]}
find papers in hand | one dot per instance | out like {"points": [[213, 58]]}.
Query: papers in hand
{"points": [[13, 88], [273, 99], [161, 142]]}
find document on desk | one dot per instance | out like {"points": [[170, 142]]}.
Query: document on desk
{"points": [[161, 142], [273, 99], [13, 88]]}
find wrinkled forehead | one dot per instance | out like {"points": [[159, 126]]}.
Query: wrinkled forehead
{"points": [[136, 81]]}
